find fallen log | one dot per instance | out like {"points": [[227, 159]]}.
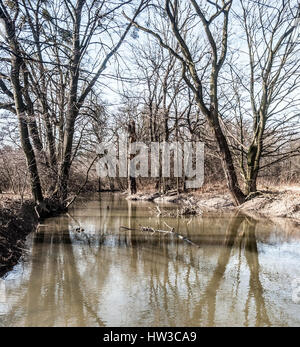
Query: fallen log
{"points": [[171, 231]]}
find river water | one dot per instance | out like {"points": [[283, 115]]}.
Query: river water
{"points": [[241, 274]]}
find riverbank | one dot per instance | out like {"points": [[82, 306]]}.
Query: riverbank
{"points": [[283, 202], [17, 220]]}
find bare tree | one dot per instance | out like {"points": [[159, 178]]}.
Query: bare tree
{"points": [[211, 21], [17, 64], [265, 88], [56, 61]]}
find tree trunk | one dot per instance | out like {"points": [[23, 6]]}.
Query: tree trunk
{"points": [[50, 139], [254, 156], [253, 159], [67, 156], [17, 62], [251, 184], [24, 133], [227, 162], [132, 188], [31, 121]]}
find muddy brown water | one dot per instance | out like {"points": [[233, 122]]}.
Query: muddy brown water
{"points": [[240, 275]]}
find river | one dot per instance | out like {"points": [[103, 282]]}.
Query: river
{"points": [[240, 274]]}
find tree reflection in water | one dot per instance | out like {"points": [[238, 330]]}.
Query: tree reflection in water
{"points": [[104, 276]]}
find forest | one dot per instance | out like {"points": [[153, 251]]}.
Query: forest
{"points": [[84, 79], [75, 74]]}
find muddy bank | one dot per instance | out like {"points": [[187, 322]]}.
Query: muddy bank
{"points": [[284, 204], [17, 220]]}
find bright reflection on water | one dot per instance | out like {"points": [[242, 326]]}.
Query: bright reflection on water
{"points": [[240, 275]]}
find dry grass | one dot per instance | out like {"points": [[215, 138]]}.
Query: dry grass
{"points": [[277, 203]]}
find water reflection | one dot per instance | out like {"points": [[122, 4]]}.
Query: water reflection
{"points": [[240, 274]]}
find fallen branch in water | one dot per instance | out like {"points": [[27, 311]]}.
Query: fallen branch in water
{"points": [[149, 229], [171, 231], [187, 210]]}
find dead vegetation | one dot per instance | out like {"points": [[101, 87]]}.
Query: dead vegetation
{"points": [[275, 204]]}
